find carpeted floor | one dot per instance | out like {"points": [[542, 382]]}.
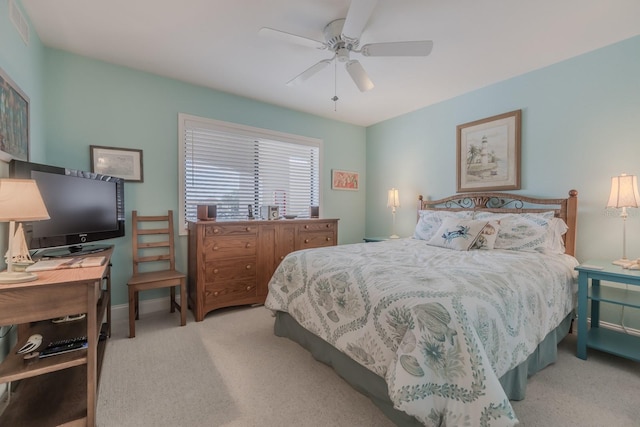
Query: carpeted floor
{"points": [[230, 370]]}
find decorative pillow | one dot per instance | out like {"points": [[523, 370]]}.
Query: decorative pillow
{"points": [[430, 220], [520, 232], [487, 237], [458, 234]]}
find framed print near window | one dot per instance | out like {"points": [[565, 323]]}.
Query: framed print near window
{"points": [[14, 120], [488, 153], [122, 163], [345, 180]]}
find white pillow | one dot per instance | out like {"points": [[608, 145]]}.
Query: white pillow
{"points": [[520, 232], [488, 235], [554, 243], [458, 234], [430, 220]]}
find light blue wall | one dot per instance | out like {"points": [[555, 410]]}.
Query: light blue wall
{"points": [[580, 126], [89, 102]]}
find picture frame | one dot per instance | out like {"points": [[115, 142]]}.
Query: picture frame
{"points": [[125, 163], [488, 153], [14, 120], [345, 180]]}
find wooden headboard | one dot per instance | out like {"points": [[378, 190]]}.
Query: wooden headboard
{"points": [[512, 203]]}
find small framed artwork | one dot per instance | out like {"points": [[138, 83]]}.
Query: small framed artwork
{"points": [[488, 153], [125, 163], [345, 180], [14, 120]]}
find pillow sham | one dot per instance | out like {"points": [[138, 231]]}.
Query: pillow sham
{"points": [[554, 241], [430, 220], [458, 234], [520, 231], [487, 238]]}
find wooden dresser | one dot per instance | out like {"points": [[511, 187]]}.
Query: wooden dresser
{"points": [[231, 262]]}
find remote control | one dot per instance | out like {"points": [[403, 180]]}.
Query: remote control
{"points": [[52, 351], [67, 341]]}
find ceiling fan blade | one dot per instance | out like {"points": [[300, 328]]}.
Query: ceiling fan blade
{"points": [[417, 48], [309, 72], [359, 76], [291, 38], [357, 17]]}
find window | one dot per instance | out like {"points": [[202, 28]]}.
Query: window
{"points": [[240, 168]]}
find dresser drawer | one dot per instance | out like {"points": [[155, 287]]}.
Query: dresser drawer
{"points": [[229, 292], [317, 226], [229, 230], [315, 240], [229, 247], [237, 269]]}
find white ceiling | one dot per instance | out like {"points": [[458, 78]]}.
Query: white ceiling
{"points": [[215, 43]]}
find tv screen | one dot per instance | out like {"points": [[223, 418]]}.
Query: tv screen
{"points": [[84, 207]]}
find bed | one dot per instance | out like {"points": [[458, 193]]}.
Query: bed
{"points": [[444, 328]]}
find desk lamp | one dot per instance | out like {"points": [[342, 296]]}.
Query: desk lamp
{"points": [[20, 200], [624, 194], [393, 201]]}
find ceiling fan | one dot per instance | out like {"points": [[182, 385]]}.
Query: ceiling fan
{"points": [[342, 37]]}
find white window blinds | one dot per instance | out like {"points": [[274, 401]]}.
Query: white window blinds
{"points": [[238, 168]]}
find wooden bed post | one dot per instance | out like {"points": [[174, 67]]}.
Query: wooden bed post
{"points": [[572, 222]]}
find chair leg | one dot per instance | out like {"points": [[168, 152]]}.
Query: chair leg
{"points": [[132, 312], [183, 302], [172, 301]]}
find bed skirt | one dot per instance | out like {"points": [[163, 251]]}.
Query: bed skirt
{"points": [[373, 386]]}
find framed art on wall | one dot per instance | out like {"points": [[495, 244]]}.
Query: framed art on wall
{"points": [[344, 180], [125, 163], [14, 120], [488, 153]]}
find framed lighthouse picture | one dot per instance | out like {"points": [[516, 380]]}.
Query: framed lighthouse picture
{"points": [[488, 153]]}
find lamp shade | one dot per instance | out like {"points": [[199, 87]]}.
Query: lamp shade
{"points": [[624, 192], [393, 199], [20, 200]]}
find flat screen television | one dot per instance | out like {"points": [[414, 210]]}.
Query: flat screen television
{"points": [[84, 207]]}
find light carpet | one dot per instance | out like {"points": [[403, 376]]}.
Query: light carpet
{"points": [[231, 370]]}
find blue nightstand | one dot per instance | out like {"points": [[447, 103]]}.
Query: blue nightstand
{"points": [[603, 339]]}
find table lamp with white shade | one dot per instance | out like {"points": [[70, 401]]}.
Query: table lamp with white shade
{"points": [[20, 200], [624, 194], [393, 201]]}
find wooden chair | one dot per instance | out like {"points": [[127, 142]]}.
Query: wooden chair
{"points": [[153, 246]]}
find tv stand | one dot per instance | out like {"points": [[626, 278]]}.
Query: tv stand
{"points": [[70, 251], [61, 389]]}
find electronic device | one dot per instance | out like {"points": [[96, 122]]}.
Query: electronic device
{"points": [[270, 212], [84, 207], [207, 212], [32, 343], [314, 211]]}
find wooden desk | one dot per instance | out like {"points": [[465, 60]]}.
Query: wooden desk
{"points": [[67, 394]]}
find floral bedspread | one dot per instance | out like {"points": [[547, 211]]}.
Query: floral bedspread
{"points": [[440, 326]]}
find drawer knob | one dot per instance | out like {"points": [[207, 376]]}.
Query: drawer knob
{"points": [[306, 226], [328, 239], [328, 225], [215, 271], [248, 288], [282, 257], [215, 294], [216, 230], [248, 245], [306, 240], [248, 267], [248, 229], [215, 248]]}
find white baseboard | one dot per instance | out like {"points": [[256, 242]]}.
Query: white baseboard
{"points": [[121, 311]]}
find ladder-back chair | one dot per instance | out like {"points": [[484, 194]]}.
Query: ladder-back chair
{"points": [[153, 249]]}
